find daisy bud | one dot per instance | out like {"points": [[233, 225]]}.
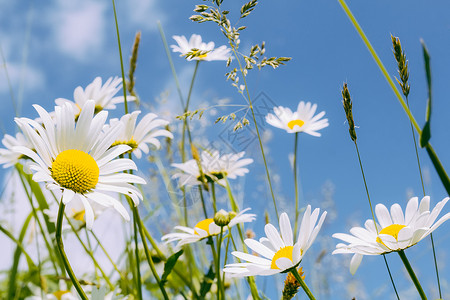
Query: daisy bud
{"points": [[222, 218], [291, 285], [348, 105]]}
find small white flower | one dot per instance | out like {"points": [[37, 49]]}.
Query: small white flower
{"points": [[103, 95], [278, 253], [78, 159], [215, 168], [204, 229], [195, 43], [395, 231], [146, 132], [9, 157], [302, 120]]}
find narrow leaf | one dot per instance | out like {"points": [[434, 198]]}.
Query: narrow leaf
{"points": [[207, 282], [426, 131], [168, 266]]}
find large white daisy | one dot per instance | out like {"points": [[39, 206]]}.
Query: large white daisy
{"points": [[301, 120], [394, 231], [103, 95], [78, 159], [278, 253], [204, 229], [146, 132], [215, 168], [195, 44], [9, 157]]}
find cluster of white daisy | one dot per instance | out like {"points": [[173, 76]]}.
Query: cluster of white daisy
{"points": [[74, 150]]}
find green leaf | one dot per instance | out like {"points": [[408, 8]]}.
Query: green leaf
{"points": [[426, 131], [168, 266], [207, 282]]}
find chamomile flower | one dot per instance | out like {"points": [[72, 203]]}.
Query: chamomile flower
{"points": [[204, 229], [195, 45], [215, 168], [278, 253], [9, 157], [394, 231], [140, 136], [301, 120], [103, 95], [78, 159]]}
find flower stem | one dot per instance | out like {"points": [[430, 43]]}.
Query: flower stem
{"points": [[213, 196], [411, 273], [60, 245], [220, 286], [302, 283], [296, 183], [138, 261]]}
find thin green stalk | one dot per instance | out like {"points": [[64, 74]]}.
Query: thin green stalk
{"points": [[302, 283], [412, 274], [89, 252], [257, 130], [19, 250], [107, 254], [138, 260], [124, 83], [60, 245], [137, 219], [296, 184], [373, 216], [169, 57], [431, 153], [226, 254], [213, 196], [8, 81], [216, 265], [220, 287]]}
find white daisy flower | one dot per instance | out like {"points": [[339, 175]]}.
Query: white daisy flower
{"points": [[278, 253], [215, 168], [195, 44], [204, 229], [146, 132], [396, 231], [78, 159], [302, 120], [103, 95], [9, 157]]}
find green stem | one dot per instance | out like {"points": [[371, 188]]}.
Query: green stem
{"points": [[411, 273], [124, 83], [220, 286], [138, 260], [434, 158], [213, 196], [257, 130], [137, 219], [302, 283], [296, 184], [60, 245]]}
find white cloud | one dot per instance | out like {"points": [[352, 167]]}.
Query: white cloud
{"points": [[31, 77], [144, 14], [78, 27]]}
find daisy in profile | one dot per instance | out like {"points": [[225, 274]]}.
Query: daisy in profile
{"points": [[277, 252], [140, 136], [301, 120], [77, 159], [395, 230], [195, 49], [9, 157], [104, 95], [207, 228], [215, 168]]}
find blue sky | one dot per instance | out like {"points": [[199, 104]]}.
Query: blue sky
{"points": [[64, 45]]}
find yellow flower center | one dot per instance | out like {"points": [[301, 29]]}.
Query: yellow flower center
{"points": [[391, 230], [283, 252], [75, 170], [297, 122], [132, 143], [204, 225], [59, 294]]}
